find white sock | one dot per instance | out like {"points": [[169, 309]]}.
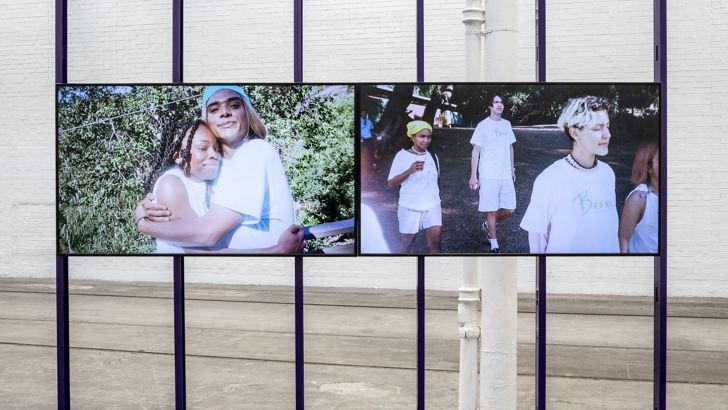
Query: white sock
{"points": [[493, 243]]}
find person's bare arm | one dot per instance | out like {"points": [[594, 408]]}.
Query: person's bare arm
{"points": [[172, 194], [634, 208], [397, 180], [203, 230], [152, 210], [513, 165], [290, 242], [474, 155]]}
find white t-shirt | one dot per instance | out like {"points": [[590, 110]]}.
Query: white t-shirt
{"points": [[196, 193], [575, 209], [494, 138], [420, 190], [253, 183], [644, 238]]}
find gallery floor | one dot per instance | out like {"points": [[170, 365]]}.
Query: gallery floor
{"points": [[360, 348]]}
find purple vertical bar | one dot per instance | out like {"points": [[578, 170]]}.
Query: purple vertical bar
{"points": [[180, 376], [63, 382], [297, 41], [61, 41], [63, 362], [660, 270], [298, 260], [298, 303], [420, 333], [180, 368], [540, 373], [541, 40], [540, 332], [177, 32], [420, 41]]}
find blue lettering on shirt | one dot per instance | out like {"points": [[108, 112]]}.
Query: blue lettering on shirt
{"points": [[586, 204]]}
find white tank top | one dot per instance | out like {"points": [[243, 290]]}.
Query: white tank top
{"points": [[644, 238], [196, 194]]}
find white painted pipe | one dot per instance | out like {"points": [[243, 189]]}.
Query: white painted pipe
{"points": [[499, 332], [499, 313], [501, 40], [469, 331], [473, 19]]}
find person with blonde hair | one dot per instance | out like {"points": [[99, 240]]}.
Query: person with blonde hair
{"points": [[416, 171], [638, 227], [573, 207], [251, 206]]}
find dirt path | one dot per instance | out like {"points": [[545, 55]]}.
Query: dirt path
{"points": [[535, 149]]}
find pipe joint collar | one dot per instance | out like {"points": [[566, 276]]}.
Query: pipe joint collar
{"points": [[469, 332]]}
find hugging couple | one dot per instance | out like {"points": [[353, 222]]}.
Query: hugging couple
{"points": [[222, 186]]}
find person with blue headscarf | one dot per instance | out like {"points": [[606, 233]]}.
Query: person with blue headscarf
{"points": [[251, 206]]}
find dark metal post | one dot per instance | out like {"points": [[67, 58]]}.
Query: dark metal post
{"points": [[180, 387], [177, 43], [298, 41], [420, 333], [62, 343], [540, 372], [540, 333], [180, 368], [63, 382], [298, 302], [660, 270], [420, 41], [61, 41], [541, 40]]}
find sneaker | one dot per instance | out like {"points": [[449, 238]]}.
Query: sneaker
{"points": [[495, 250]]}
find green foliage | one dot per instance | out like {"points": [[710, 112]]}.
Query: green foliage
{"points": [[109, 138]]}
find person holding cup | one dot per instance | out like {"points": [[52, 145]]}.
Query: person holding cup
{"points": [[416, 171]]}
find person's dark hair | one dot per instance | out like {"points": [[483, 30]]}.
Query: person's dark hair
{"points": [[171, 152], [491, 97]]}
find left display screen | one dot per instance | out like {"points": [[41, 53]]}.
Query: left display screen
{"points": [[205, 169]]}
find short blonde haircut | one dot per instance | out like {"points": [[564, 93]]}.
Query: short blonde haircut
{"points": [[581, 112]]}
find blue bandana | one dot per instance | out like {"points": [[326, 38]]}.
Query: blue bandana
{"points": [[209, 91]]}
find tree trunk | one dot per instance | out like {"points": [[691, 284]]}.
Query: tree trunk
{"points": [[432, 106], [391, 126]]}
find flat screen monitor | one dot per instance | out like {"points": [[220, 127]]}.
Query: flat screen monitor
{"points": [[509, 168], [210, 169]]}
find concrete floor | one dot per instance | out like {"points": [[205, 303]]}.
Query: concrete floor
{"points": [[360, 349]]}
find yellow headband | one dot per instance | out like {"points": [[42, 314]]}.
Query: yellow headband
{"points": [[416, 126]]}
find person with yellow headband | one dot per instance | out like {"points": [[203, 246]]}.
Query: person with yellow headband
{"points": [[416, 171]]}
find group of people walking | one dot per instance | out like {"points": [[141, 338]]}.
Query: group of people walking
{"points": [[572, 207]]}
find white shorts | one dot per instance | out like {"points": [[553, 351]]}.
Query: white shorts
{"points": [[411, 221], [496, 194]]}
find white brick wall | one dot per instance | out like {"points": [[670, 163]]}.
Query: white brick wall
{"points": [[614, 39], [119, 41], [27, 193], [141, 38], [359, 41], [231, 40]]}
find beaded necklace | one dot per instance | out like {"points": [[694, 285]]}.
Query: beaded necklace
{"points": [[571, 161]]}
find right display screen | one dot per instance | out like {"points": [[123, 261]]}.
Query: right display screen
{"points": [[493, 168]]}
